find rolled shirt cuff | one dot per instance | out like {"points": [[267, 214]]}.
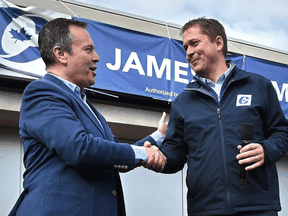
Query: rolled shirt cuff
{"points": [[158, 137], [140, 154]]}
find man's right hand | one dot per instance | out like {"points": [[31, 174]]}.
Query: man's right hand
{"points": [[156, 160]]}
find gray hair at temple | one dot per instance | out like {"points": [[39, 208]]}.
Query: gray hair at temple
{"points": [[56, 33]]}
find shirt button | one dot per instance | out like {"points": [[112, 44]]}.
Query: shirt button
{"points": [[114, 193]]}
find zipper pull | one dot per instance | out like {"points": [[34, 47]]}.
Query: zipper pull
{"points": [[218, 113]]}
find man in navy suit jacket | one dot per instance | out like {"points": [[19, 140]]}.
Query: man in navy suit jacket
{"points": [[71, 157]]}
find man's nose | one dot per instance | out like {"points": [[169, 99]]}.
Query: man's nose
{"points": [[95, 57], [189, 52]]}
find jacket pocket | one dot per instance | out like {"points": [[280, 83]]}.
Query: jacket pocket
{"points": [[68, 200], [260, 175]]}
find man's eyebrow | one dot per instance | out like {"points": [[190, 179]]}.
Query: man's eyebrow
{"points": [[190, 42], [90, 46]]}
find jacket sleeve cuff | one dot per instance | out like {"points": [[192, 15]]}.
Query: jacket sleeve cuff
{"points": [[140, 154], [158, 137], [266, 156]]}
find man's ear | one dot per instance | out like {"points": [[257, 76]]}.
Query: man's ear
{"points": [[219, 42], [60, 54]]}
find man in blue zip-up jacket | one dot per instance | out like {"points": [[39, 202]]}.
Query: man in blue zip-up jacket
{"points": [[205, 130]]}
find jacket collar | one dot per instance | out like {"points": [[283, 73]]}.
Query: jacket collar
{"points": [[62, 85], [235, 75], [57, 81]]}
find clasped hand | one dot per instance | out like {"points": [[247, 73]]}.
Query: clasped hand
{"points": [[156, 160], [251, 154]]}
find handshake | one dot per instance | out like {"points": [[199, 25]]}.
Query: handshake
{"points": [[156, 160]]}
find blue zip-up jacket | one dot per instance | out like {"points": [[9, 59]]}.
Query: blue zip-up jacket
{"points": [[205, 133]]}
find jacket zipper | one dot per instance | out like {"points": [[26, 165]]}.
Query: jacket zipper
{"points": [[218, 112], [226, 83], [228, 196]]}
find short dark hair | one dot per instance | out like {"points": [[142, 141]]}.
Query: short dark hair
{"points": [[210, 27], [56, 33]]}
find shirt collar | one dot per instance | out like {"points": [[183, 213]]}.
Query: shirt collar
{"points": [[222, 77], [71, 85]]}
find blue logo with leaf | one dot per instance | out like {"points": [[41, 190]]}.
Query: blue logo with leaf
{"points": [[21, 35], [24, 52]]}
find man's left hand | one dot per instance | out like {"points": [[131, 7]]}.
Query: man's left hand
{"points": [[253, 154], [162, 125]]}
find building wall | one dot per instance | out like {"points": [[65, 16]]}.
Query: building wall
{"points": [[10, 168], [282, 167]]}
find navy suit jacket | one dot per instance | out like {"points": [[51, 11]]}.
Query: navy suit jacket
{"points": [[69, 158]]}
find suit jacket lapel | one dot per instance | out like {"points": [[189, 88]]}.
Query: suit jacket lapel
{"points": [[89, 113], [62, 85], [108, 134]]}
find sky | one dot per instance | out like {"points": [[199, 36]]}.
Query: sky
{"points": [[263, 22]]}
